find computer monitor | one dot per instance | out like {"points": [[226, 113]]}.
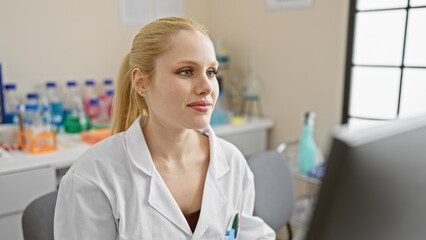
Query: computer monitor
{"points": [[2, 104], [375, 184]]}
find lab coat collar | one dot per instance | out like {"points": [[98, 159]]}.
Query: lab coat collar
{"points": [[160, 197], [137, 147], [218, 160]]}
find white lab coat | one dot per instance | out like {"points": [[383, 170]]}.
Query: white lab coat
{"points": [[113, 191]]}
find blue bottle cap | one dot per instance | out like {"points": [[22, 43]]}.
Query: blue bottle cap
{"points": [[50, 84], [71, 83], [33, 107], [32, 96], [94, 101], [108, 81], [90, 82], [10, 86]]}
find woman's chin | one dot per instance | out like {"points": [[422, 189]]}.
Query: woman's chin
{"points": [[201, 124]]}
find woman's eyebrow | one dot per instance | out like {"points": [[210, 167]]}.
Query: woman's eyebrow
{"points": [[192, 62]]}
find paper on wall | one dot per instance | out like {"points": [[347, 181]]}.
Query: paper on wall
{"points": [[141, 12], [168, 8]]}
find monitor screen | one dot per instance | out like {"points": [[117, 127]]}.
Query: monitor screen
{"points": [[2, 106], [375, 184]]}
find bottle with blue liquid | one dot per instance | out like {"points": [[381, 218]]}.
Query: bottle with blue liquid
{"points": [[55, 105], [11, 104], [70, 105], [307, 145]]}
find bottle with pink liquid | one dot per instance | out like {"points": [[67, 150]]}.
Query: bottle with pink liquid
{"points": [[89, 94]]}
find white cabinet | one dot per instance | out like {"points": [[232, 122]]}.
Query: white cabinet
{"points": [[10, 227], [17, 190], [250, 137]]}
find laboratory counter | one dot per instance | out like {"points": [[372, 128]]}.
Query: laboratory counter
{"points": [[250, 137]]}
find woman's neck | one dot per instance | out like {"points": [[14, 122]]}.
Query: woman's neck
{"points": [[171, 144]]}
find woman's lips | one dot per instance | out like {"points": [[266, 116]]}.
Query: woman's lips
{"points": [[200, 106]]}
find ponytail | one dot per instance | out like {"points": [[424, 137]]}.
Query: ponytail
{"points": [[128, 105]]}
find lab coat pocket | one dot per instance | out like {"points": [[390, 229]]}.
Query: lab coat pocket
{"points": [[233, 229]]}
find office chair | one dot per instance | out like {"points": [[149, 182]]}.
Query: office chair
{"points": [[275, 192], [37, 219]]}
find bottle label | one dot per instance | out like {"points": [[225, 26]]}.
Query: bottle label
{"points": [[94, 111], [11, 118], [57, 113]]}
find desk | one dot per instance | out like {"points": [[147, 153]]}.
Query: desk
{"points": [[26, 176]]}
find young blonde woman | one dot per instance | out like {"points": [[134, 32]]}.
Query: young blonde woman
{"points": [[164, 174]]}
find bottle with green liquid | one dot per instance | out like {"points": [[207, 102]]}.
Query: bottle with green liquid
{"points": [[307, 146], [76, 119]]}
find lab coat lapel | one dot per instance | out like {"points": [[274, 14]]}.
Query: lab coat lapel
{"points": [[214, 198], [162, 200]]}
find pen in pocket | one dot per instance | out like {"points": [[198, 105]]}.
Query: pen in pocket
{"points": [[233, 233]]}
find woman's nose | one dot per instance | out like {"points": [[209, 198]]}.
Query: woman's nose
{"points": [[204, 85]]}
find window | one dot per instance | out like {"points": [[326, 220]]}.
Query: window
{"points": [[386, 61]]}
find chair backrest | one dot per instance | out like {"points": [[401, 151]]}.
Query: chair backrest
{"points": [[274, 188], [37, 219]]}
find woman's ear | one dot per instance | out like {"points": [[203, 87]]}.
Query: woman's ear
{"points": [[139, 81]]}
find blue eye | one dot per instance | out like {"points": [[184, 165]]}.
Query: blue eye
{"points": [[211, 73], [185, 72]]}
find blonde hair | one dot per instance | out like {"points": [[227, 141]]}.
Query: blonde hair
{"points": [[151, 41]]}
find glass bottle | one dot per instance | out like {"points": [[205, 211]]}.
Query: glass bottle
{"points": [[11, 104], [89, 93], [307, 145], [75, 118], [55, 105]]}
